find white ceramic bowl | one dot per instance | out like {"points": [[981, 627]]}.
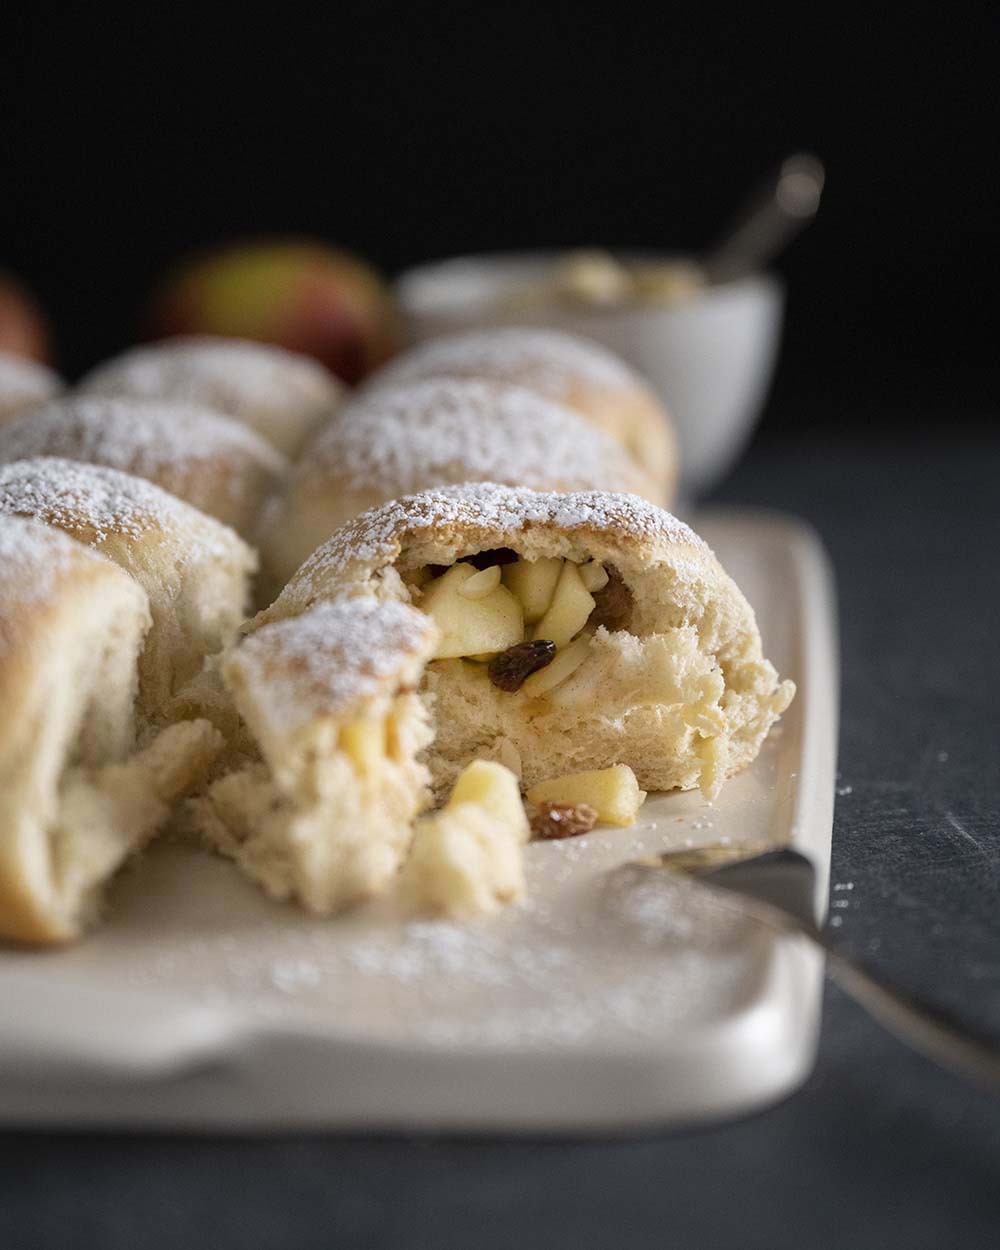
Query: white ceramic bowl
{"points": [[709, 356]]}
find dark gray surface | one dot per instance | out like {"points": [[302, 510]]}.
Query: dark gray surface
{"points": [[879, 1149]]}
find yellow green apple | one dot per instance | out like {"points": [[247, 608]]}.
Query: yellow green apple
{"points": [[297, 293]]}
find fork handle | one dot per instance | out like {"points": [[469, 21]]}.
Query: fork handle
{"points": [[926, 1027]]}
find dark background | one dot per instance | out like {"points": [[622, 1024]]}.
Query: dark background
{"points": [[412, 132]]}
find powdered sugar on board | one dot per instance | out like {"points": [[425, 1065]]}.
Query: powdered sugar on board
{"points": [[591, 953], [400, 439], [548, 361]]}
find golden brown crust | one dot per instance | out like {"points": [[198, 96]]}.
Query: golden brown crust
{"points": [[194, 569], [568, 369], [212, 462], [429, 434], [442, 526], [280, 394]]}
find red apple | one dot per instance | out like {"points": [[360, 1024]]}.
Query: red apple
{"points": [[23, 328], [296, 293]]}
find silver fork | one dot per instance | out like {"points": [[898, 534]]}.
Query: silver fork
{"points": [[776, 888]]}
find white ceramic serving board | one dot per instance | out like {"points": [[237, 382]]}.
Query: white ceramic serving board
{"points": [[598, 1005]]}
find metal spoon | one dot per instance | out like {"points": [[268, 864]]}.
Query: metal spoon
{"points": [[777, 211], [777, 889]]}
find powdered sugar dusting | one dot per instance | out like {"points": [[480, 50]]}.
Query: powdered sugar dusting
{"points": [[332, 658], [24, 384], [256, 382], [547, 361], [402, 439], [375, 535], [92, 503], [139, 436], [33, 559]]}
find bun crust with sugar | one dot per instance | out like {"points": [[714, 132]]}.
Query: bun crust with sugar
{"points": [[565, 368], [24, 384], [74, 801], [674, 681], [399, 440], [212, 462], [324, 810], [280, 394], [194, 570]]}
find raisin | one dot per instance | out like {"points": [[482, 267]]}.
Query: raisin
{"points": [[612, 603], [486, 559], [509, 670], [562, 820]]}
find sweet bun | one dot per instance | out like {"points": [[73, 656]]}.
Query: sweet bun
{"points": [[195, 570], [441, 432], [214, 463], [73, 801], [278, 393], [324, 813], [566, 368], [24, 384], [658, 661]]}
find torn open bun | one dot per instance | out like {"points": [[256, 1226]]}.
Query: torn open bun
{"points": [[74, 800], [576, 631], [194, 570], [324, 811]]}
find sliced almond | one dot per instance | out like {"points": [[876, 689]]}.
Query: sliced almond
{"points": [[480, 584], [571, 605], [567, 661]]}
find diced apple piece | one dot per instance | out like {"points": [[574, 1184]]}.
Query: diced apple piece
{"points": [[563, 666], [471, 626], [481, 583], [496, 790], [613, 793], [365, 742], [460, 866], [594, 575], [571, 605], [466, 859], [534, 583]]}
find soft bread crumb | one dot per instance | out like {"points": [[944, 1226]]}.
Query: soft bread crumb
{"points": [[325, 814]]}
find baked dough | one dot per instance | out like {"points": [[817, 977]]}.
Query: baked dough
{"points": [[324, 814], [195, 570], [213, 462], [278, 393], [566, 368], [667, 673], [24, 384], [399, 440], [73, 801]]}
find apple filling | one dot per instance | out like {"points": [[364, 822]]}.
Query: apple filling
{"points": [[537, 667]]}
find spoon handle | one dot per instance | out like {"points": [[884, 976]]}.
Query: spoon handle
{"points": [[774, 215]]}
